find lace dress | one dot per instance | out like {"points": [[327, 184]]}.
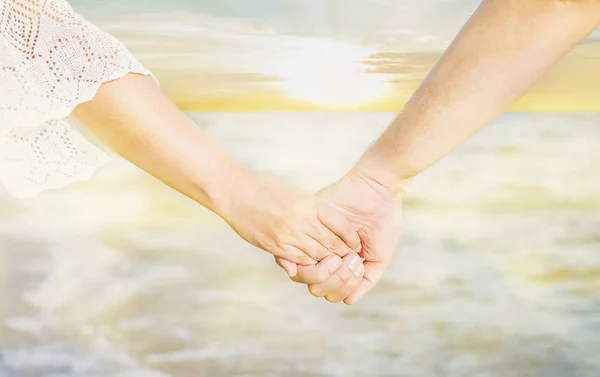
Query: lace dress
{"points": [[51, 60]]}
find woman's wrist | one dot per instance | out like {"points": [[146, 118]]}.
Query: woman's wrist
{"points": [[218, 192]]}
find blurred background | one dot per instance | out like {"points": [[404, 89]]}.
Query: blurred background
{"points": [[498, 272]]}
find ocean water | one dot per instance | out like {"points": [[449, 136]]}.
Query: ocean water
{"points": [[498, 272]]}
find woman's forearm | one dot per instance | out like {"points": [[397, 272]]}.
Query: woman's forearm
{"points": [[506, 46], [134, 118]]}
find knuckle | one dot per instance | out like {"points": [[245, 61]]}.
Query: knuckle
{"points": [[335, 243], [321, 253], [345, 275], [348, 228], [277, 241], [278, 223], [332, 298], [315, 290], [305, 260], [352, 285], [270, 242], [341, 278], [322, 275], [292, 257]]}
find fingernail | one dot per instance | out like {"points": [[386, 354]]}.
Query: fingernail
{"points": [[355, 263], [359, 271], [335, 265]]}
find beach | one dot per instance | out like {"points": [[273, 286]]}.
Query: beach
{"points": [[497, 273]]}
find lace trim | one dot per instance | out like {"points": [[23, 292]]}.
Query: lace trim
{"points": [[51, 60]]}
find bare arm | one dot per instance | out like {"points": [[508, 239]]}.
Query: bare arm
{"points": [[134, 118], [504, 48]]}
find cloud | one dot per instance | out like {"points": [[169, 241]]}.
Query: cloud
{"points": [[402, 65], [244, 50], [227, 50]]}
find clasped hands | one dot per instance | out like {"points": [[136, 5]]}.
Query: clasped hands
{"points": [[339, 242]]}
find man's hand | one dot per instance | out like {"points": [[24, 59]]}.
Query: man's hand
{"points": [[495, 58], [375, 212]]}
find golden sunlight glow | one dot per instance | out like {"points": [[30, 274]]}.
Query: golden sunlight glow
{"points": [[310, 74], [329, 74]]}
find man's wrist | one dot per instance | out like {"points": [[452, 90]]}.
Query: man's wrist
{"points": [[380, 170]]}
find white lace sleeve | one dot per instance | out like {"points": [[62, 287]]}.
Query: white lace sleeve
{"points": [[51, 60]]}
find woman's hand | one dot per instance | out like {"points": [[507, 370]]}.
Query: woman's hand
{"points": [[286, 222], [333, 278], [135, 119]]}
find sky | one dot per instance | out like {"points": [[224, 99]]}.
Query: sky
{"points": [[313, 55]]}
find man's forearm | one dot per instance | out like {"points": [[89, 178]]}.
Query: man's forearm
{"points": [[135, 119], [506, 46]]}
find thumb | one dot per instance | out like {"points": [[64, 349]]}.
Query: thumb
{"points": [[290, 268], [373, 273]]}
